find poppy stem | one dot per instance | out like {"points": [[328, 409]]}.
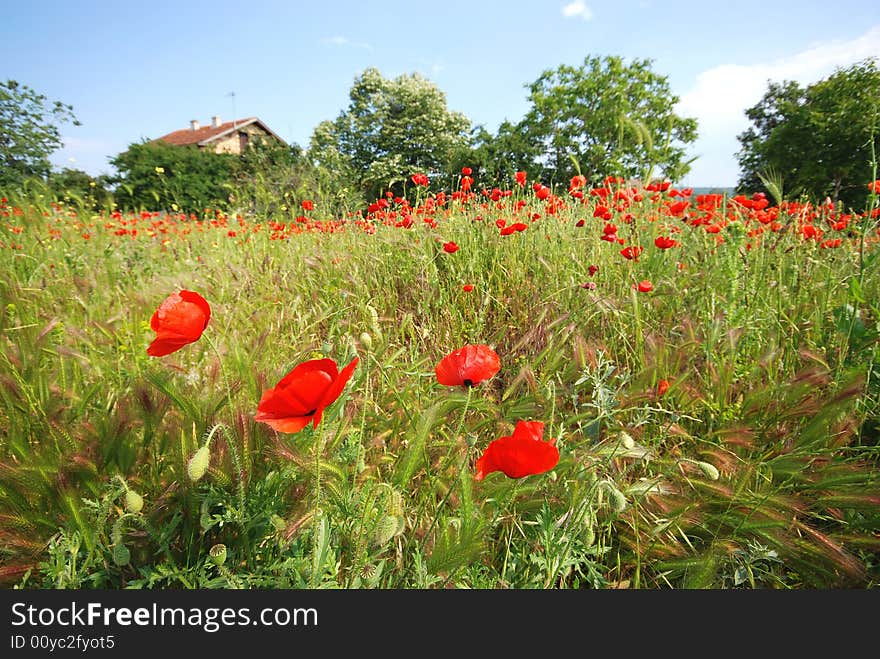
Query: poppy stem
{"points": [[443, 501], [316, 517]]}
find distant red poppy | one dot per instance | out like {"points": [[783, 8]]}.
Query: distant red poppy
{"points": [[644, 286], [665, 242], [450, 247], [662, 387], [467, 288], [308, 205], [419, 179], [523, 453], [874, 186], [179, 320], [468, 366], [632, 252], [520, 178], [302, 395], [593, 269], [466, 171]]}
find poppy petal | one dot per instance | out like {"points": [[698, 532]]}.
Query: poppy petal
{"points": [[335, 389], [180, 319], [523, 453], [288, 424]]}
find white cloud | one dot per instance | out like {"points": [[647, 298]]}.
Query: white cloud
{"points": [[339, 40], [577, 8], [721, 95]]}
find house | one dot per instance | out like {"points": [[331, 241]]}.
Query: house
{"points": [[230, 137]]}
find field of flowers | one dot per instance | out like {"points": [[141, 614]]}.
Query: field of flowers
{"points": [[574, 387]]}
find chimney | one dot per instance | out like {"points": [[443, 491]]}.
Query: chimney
{"points": [[215, 121], [194, 124]]}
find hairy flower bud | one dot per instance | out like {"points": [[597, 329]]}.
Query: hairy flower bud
{"points": [[134, 502], [198, 464], [366, 341], [710, 470]]}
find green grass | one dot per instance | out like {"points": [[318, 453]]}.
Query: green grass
{"points": [[757, 468]]}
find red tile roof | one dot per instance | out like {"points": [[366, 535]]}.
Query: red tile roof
{"points": [[205, 133]]}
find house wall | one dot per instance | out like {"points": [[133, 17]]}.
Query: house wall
{"points": [[231, 143]]}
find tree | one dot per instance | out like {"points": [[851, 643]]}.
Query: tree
{"points": [[158, 175], [29, 132], [77, 186], [609, 118], [497, 158], [816, 140], [391, 129]]}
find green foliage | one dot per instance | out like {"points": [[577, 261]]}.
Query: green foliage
{"points": [[158, 175], [80, 189], [498, 157], [29, 133], [818, 139], [608, 116], [392, 128]]}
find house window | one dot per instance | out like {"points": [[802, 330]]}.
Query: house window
{"points": [[242, 142]]}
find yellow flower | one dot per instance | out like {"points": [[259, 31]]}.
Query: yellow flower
{"points": [[160, 170]]}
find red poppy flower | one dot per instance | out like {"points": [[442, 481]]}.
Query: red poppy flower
{"points": [[308, 205], [467, 288], [179, 320], [632, 252], [593, 269], [419, 179], [874, 186], [302, 395], [450, 247], [520, 178], [468, 366], [662, 387], [521, 454], [644, 286], [466, 171], [665, 242]]}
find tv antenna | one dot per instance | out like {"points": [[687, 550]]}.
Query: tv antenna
{"points": [[232, 94]]}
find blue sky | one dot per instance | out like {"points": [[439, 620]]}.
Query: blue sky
{"points": [[137, 70]]}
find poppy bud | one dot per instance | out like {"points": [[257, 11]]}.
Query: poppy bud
{"points": [[386, 529], [615, 497], [710, 470], [134, 502], [198, 464], [366, 341], [218, 554]]}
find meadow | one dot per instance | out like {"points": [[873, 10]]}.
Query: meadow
{"points": [[705, 366]]}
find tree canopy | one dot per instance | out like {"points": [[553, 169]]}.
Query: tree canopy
{"points": [[29, 132], [817, 140], [391, 128], [607, 117], [155, 174]]}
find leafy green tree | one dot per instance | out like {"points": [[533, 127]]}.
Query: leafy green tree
{"points": [[159, 175], [496, 158], [29, 132], [816, 140], [607, 117], [392, 128], [79, 187]]}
